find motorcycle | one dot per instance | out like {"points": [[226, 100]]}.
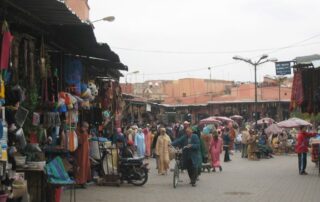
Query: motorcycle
{"points": [[133, 170]]}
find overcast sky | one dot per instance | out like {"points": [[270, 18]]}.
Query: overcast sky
{"points": [[172, 39]]}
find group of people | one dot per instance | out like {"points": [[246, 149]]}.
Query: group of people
{"points": [[200, 144]]}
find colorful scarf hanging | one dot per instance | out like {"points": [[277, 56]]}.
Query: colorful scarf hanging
{"points": [[5, 46]]}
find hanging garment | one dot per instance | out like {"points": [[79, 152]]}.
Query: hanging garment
{"points": [[5, 49], [72, 139], [297, 96], [73, 73]]}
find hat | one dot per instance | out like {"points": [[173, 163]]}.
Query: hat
{"points": [[186, 122]]}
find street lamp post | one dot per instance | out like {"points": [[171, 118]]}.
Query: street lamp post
{"points": [[280, 79], [210, 83], [108, 19], [262, 59]]}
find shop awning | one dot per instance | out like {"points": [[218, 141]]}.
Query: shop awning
{"points": [[53, 12], [62, 26]]}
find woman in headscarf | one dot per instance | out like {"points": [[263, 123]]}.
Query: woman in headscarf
{"points": [[147, 139], [215, 149], [206, 137], [83, 173], [130, 135], [139, 142], [162, 150]]}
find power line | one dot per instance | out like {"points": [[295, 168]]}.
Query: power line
{"points": [[271, 50]]}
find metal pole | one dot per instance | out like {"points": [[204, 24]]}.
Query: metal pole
{"points": [[210, 86], [279, 105], [255, 95]]}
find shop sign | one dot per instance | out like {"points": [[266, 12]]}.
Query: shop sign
{"points": [[283, 68]]}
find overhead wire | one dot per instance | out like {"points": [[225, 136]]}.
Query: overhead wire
{"points": [[296, 44], [293, 45]]}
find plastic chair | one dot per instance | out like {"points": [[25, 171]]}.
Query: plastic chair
{"points": [[57, 176]]}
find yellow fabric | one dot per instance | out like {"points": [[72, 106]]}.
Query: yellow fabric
{"points": [[162, 149], [2, 89]]}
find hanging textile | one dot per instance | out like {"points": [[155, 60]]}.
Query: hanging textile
{"points": [[73, 74], [297, 91], [5, 46]]}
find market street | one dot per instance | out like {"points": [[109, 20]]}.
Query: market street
{"points": [[274, 179]]}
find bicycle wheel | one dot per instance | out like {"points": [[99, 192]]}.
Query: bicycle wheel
{"points": [[176, 175]]}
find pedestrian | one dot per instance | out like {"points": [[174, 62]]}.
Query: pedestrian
{"points": [[215, 149], [203, 152], [140, 143], [302, 148], [83, 171], [147, 139], [206, 137], [251, 140], [162, 151], [238, 142], [244, 143], [283, 142], [130, 135], [191, 145], [121, 141], [232, 136], [226, 144], [182, 131]]}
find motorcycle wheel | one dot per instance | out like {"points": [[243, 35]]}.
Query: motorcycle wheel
{"points": [[143, 172]]}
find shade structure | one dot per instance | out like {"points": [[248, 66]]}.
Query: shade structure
{"points": [[236, 117], [293, 123], [209, 120], [266, 120], [223, 118], [273, 129]]}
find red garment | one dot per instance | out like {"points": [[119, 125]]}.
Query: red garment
{"points": [[147, 139], [5, 50], [297, 95], [83, 173], [303, 141], [232, 138]]}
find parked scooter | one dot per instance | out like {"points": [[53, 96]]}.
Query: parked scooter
{"points": [[133, 170]]}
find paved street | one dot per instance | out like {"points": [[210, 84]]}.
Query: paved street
{"points": [[274, 179]]}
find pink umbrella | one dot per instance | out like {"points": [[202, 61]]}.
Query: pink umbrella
{"points": [[210, 120], [273, 129], [236, 117], [266, 120], [293, 123], [223, 119]]}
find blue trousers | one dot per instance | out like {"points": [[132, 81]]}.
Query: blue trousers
{"points": [[302, 162]]}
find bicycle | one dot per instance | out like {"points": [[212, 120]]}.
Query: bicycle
{"points": [[178, 166]]}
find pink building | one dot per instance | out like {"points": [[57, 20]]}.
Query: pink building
{"points": [[80, 7]]}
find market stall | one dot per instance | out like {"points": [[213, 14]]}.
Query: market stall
{"points": [[48, 85]]}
